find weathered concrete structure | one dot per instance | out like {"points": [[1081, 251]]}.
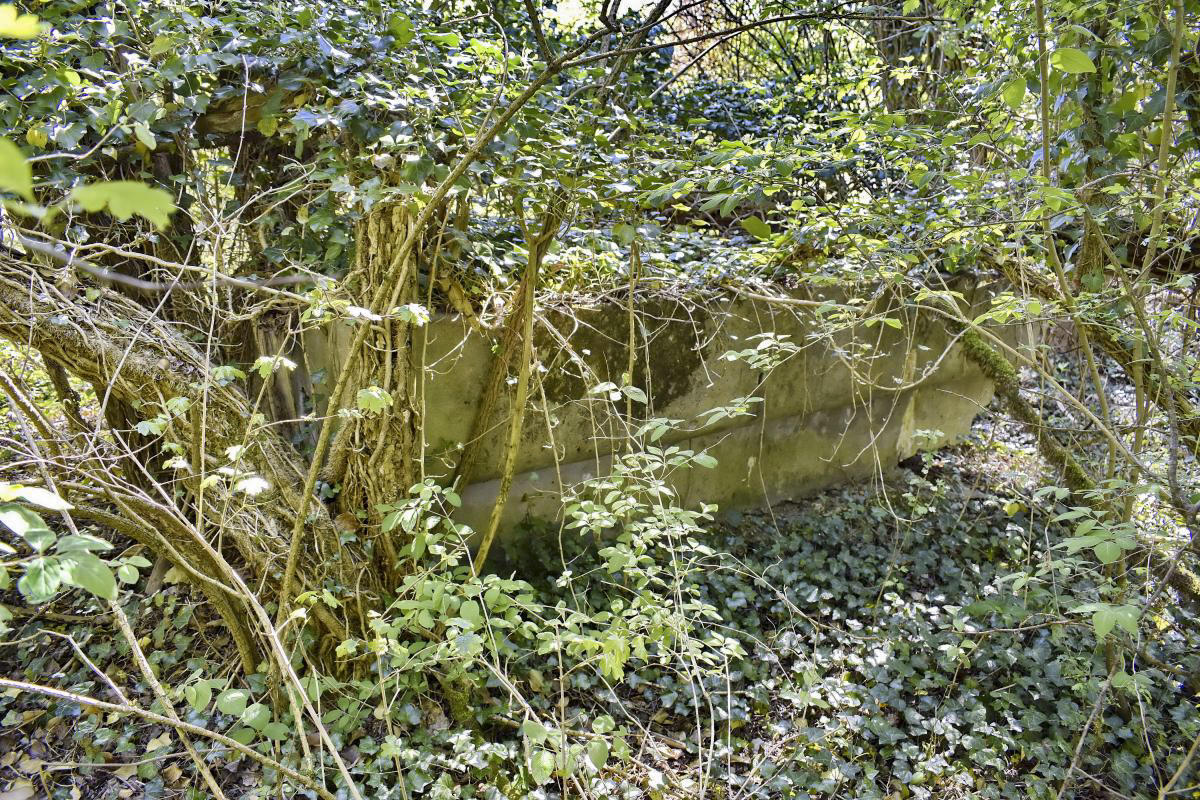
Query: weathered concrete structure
{"points": [[844, 404]]}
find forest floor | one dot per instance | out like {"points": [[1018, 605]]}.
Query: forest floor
{"points": [[887, 654]]}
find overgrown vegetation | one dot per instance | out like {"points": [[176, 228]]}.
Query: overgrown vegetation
{"points": [[236, 233]]}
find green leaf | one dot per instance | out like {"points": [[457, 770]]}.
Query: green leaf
{"points": [[910, 6], [256, 716], [126, 198], [1013, 93], [265, 365], [88, 572], [534, 731], [401, 27], [1106, 617], [17, 26], [233, 701], [373, 399], [598, 753], [242, 735], [16, 176], [541, 766], [1071, 60], [704, 460], [41, 580], [1107, 552], [276, 731], [469, 611], [634, 393], [142, 131], [756, 227], [604, 724], [198, 695], [28, 525], [35, 495], [84, 542]]}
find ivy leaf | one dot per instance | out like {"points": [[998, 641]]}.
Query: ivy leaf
{"points": [[373, 399], [17, 26], [252, 485], [87, 571], [265, 365], [126, 198], [1071, 60], [16, 175], [756, 227]]}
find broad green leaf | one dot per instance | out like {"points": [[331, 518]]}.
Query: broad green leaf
{"points": [[87, 571], [604, 724], [28, 525], [635, 394], [242, 735], [1071, 60], [1107, 551], [276, 731], [252, 485], [142, 131], [401, 27], [16, 176], [41, 580], [83, 542], [373, 399], [469, 611], [265, 365], [1106, 617], [598, 753], [756, 227], [233, 701], [1013, 93], [534, 731], [704, 460], [198, 695], [256, 716], [623, 233], [126, 198], [541, 766], [41, 497], [15, 25]]}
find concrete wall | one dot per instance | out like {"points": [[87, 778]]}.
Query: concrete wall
{"points": [[826, 418]]}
